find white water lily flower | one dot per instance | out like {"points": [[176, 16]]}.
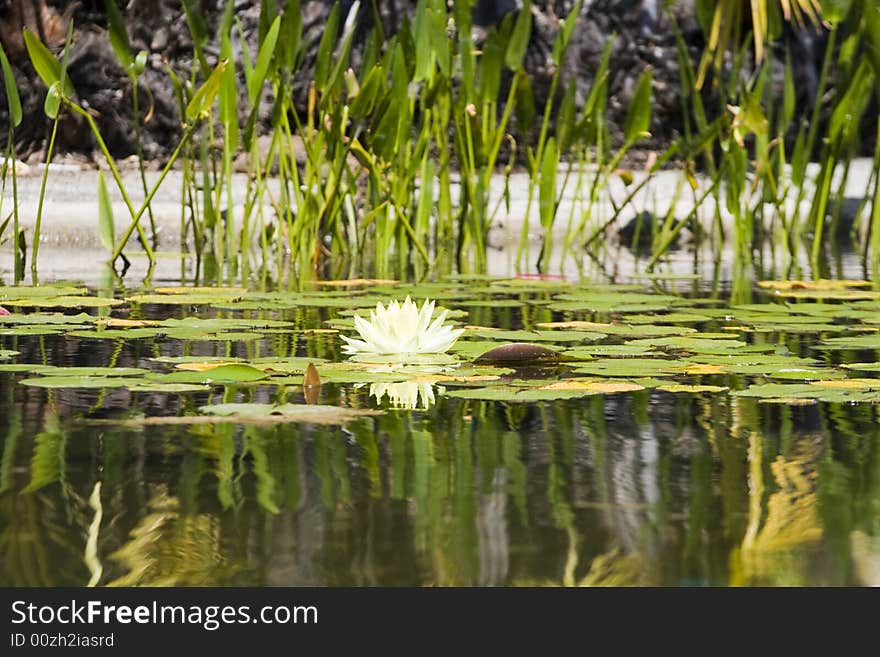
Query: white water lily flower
{"points": [[402, 329], [407, 394]]}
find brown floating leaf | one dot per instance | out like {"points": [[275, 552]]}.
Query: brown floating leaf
{"points": [[518, 352], [311, 385]]}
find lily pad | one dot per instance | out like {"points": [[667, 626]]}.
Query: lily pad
{"points": [[691, 389], [49, 370], [624, 330], [536, 336], [228, 373], [862, 367], [691, 344], [820, 284], [171, 388], [632, 367], [116, 334], [33, 330], [64, 302], [8, 353], [81, 382], [588, 352], [519, 395], [668, 318], [39, 292], [272, 413], [47, 319], [855, 342]]}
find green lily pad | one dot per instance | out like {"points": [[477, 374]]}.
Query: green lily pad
{"points": [[47, 319], [175, 360], [33, 330], [117, 334], [49, 370], [172, 388], [668, 318], [803, 374], [535, 336], [855, 342], [81, 382], [39, 292], [15, 368], [632, 367], [588, 352], [779, 391], [691, 344], [217, 324], [183, 299], [231, 373], [64, 302], [624, 330], [862, 367], [519, 395], [8, 353]]}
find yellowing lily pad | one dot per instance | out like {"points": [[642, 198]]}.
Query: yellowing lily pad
{"points": [[274, 413], [606, 387], [113, 322], [849, 384], [690, 389]]}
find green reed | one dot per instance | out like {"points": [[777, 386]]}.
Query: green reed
{"points": [[361, 178], [13, 103]]}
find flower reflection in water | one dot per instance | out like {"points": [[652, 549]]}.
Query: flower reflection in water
{"points": [[408, 394]]}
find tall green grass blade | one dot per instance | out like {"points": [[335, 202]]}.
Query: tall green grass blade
{"points": [[119, 36], [638, 117], [325, 48], [565, 32], [45, 63], [203, 98], [13, 101], [547, 196], [519, 39], [264, 58], [291, 34], [105, 215], [198, 29]]}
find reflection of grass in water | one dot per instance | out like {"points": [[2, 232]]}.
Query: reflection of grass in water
{"points": [[782, 524], [167, 548]]}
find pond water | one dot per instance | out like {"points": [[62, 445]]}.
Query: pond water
{"points": [[670, 438]]}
